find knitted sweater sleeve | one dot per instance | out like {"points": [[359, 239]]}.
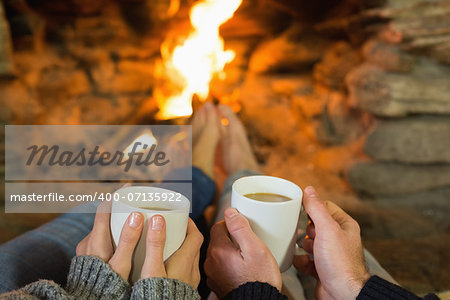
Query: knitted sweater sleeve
{"points": [[163, 289], [89, 278], [377, 288]]}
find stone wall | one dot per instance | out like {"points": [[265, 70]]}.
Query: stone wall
{"points": [[6, 64], [76, 62], [405, 82]]}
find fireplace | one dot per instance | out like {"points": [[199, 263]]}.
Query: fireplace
{"points": [[351, 96]]}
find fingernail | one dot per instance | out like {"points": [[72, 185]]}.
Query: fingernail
{"points": [[231, 212], [310, 191], [157, 222], [135, 220]]}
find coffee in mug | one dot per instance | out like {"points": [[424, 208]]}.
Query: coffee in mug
{"points": [[267, 197]]}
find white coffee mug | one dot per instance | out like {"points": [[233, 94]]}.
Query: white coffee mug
{"points": [[176, 217], [275, 223]]}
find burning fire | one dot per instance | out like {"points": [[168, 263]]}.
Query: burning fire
{"points": [[191, 65], [146, 138]]}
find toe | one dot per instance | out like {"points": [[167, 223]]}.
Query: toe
{"points": [[225, 110]]}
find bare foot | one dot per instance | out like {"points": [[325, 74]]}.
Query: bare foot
{"points": [[237, 153], [198, 122], [205, 136]]}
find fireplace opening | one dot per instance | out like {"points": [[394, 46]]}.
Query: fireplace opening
{"points": [[351, 96]]}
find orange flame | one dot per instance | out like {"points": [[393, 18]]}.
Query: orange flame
{"points": [[146, 138], [191, 66]]}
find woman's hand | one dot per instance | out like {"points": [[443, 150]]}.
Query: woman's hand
{"points": [[98, 242], [183, 265]]}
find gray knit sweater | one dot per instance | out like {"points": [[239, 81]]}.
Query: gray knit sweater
{"points": [[92, 278]]}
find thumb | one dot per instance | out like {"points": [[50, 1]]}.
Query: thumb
{"points": [[342, 218], [154, 255], [317, 209], [239, 228]]}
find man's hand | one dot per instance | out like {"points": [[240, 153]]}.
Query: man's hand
{"points": [[183, 264], [229, 265], [334, 239], [98, 242]]}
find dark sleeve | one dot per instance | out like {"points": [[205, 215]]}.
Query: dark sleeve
{"points": [[380, 289], [255, 290]]}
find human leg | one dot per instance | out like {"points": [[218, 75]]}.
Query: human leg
{"points": [[205, 138], [43, 253]]}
